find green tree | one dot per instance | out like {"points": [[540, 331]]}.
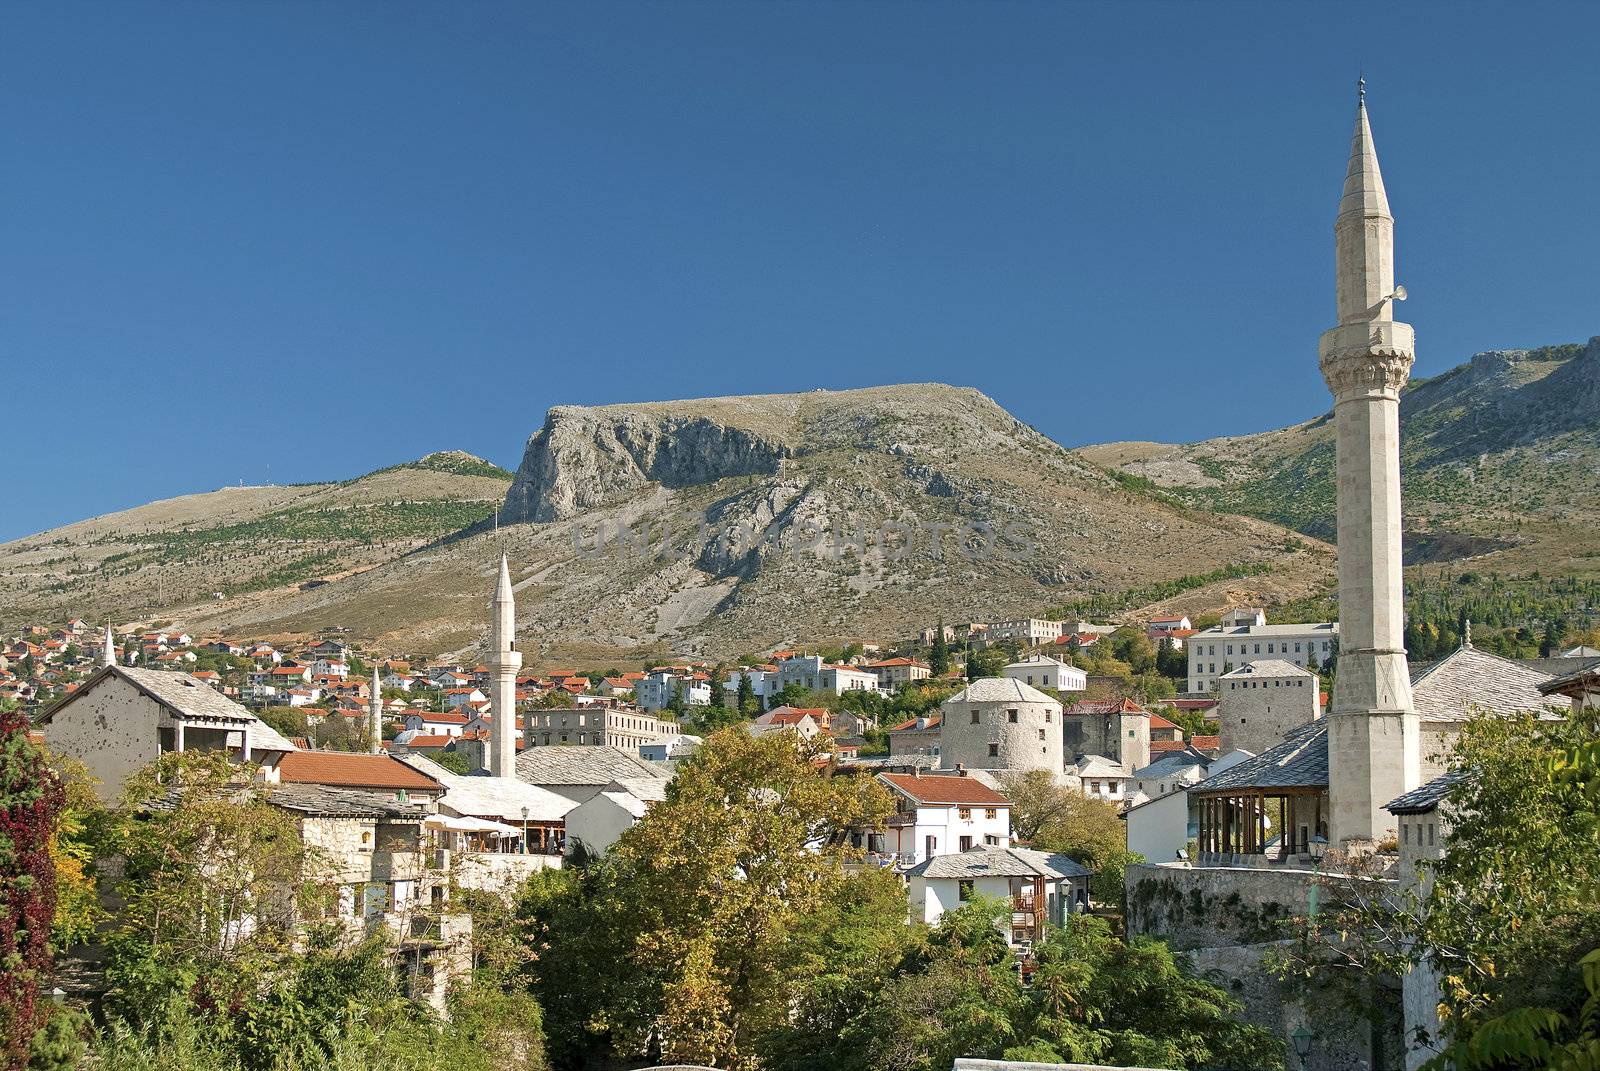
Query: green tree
{"points": [[1054, 818], [702, 912], [939, 657], [747, 694]]}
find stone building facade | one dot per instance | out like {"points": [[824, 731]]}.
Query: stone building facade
{"points": [[999, 724], [1258, 703]]}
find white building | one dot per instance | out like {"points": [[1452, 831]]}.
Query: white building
{"points": [[620, 727], [1040, 888], [1161, 823], [656, 690], [673, 747], [1223, 648], [763, 683], [1101, 778], [1042, 671], [597, 823], [936, 814], [813, 674], [1028, 631]]}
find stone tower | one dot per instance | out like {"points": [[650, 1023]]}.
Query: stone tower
{"points": [[996, 723], [504, 661], [1373, 743], [375, 712]]}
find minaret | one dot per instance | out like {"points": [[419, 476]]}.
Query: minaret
{"points": [[375, 712], [1373, 743], [109, 655], [504, 661]]}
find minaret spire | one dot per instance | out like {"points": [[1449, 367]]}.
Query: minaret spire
{"points": [[1374, 751], [504, 661], [108, 656], [375, 711]]}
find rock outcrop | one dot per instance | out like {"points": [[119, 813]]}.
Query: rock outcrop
{"points": [[587, 457]]}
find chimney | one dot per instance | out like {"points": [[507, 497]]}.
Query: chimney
{"points": [[961, 769], [916, 771]]}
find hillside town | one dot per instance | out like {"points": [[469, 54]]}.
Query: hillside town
{"points": [[1156, 838]]}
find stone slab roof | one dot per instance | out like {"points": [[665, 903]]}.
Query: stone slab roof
{"points": [[1425, 798], [998, 690], [584, 765], [324, 801], [1172, 764], [1301, 761], [1468, 681], [1000, 863], [187, 697], [500, 798], [1267, 667]]}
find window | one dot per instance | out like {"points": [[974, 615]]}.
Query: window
{"points": [[1011, 716], [1405, 832], [974, 717], [1430, 834], [964, 890], [964, 813], [991, 812], [1047, 717], [966, 844], [930, 845], [992, 841], [1041, 734], [994, 750]]}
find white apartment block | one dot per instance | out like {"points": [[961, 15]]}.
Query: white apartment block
{"points": [[1042, 671], [763, 682], [620, 727], [655, 691], [813, 674], [1029, 631], [1223, 648]]}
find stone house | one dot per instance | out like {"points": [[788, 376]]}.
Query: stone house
{"points": [[122, 719]]}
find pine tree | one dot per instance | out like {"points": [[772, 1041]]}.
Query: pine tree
{"points": [[747, 693], [939, 659]]}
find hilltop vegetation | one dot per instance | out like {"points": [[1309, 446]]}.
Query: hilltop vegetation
{"points": [[1498, 457]]}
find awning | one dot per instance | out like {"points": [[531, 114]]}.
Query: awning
{"points": [[470, 825]]}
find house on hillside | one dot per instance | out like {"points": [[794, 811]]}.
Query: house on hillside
{"points": [[1040, 888], [936, 814], [121, 719]]}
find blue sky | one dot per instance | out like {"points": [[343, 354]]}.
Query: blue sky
{"points": [[298, 241]]}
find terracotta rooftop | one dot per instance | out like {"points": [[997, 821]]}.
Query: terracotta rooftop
{"points": [[945, 789], [349, 770]]}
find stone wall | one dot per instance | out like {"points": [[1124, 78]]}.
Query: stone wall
{"points": [[498, 872], [1204, 907]]}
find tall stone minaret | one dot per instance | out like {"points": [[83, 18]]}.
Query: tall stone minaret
{"points": [[1373, 743], [108, 656], [375, 711], [504, 661]]}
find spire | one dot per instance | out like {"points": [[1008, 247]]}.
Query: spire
{"points": [[375, 712], [1363, 180], [1364, 231], [1466, 633], [109, 655], [504, 661]]}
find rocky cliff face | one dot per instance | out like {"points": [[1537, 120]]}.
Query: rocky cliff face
{"points": [[587, 457], [725, 526]]}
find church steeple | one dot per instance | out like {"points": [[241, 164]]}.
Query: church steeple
{"points": [[1364, 231]]}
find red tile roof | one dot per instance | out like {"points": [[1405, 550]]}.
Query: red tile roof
{"points": [[429, 740], [1206, 743], [349, 770], [933, 723], [1158, 722], [946, 789]]}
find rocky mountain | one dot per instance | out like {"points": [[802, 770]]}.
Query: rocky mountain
{"points": [[1500, 459], [728, 525], [239, 546]]}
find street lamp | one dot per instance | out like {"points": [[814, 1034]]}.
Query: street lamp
{"points": [[1319, 848], [524, 831], [1301, 1039]]}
